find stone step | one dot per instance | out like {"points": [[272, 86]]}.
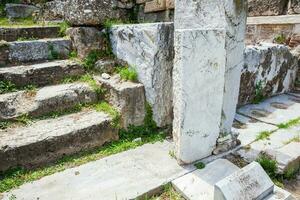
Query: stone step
{"points": [[48, 140], [131, 174], [127, 97], [10, 34], [41, 74], [45, 100], [35, 50]]}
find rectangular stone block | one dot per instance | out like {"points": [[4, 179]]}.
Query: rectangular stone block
{"points": [[198, 79], [249, 183], [148, 48]]}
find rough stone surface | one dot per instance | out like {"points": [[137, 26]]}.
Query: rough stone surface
{"points": [[39, 50], [48, 140], [199, 184], [269, 69], [280, 194], [91, 12], [53, 10], [41, 74], [105, 66], [19, 10], [87, 39], [148, 48], [276, 110], [127, 97], [127, 175], [235, 25], [197, 113], [294, 7], [45, 100], [13, 34], [251, 182], [267, 7]]}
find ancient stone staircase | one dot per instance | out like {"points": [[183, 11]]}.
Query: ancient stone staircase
{"points": [[32, 74]]}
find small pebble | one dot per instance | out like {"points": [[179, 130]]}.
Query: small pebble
{"points": [[105, 76]]}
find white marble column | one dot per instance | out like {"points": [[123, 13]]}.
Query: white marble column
{"points": [[204, 59]]}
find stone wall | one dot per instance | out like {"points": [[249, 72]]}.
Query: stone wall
{"points": [[142, 47], [269, 69]]}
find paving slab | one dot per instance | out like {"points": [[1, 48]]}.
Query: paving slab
{"points": [[275, 141], [199, 184], [250, 182], [276, 110], [248, 129], [123, 176]]}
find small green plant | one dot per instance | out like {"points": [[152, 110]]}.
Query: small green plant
{"points": [[269, 165], [289, 124], [4, 125], [24, 119], [7, 86], [88, 78], [105, 107], [263, 135], [108, 23], [200, 165], [13, 197], [280, 39], [73, 55], [63, 28], [172, 154], [294, 139], [128, 74], [91, 59], [259, 96]]}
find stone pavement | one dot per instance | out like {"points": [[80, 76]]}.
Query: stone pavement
{"points": [[127, 175]]}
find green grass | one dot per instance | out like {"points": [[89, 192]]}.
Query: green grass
{"points": [[280, 39], [263, 135], [128, 74], [63, 26], [18, 176], [295, 139], [289, 124], [105, 107], [259, 96], [7, 86], [90, 60], [26, 38]]}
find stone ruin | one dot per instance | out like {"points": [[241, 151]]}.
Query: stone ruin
{"points": [[194, 71]]}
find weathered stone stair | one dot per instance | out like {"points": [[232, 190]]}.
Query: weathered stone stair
{"points": [[38, 32], [38, 63]]}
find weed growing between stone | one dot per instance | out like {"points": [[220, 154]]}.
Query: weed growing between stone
{"points": [[63, 28], [289, 124], [259, 96], [127, 73], [7, 86], [280, 39], [263, 135], [26, 39], [271, 168]]}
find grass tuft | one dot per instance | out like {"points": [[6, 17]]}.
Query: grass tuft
{"points": [[263, 135], [289, 124], [128, 74]]}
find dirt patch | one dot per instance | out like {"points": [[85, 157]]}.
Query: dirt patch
{"points": [[293, 186]]}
